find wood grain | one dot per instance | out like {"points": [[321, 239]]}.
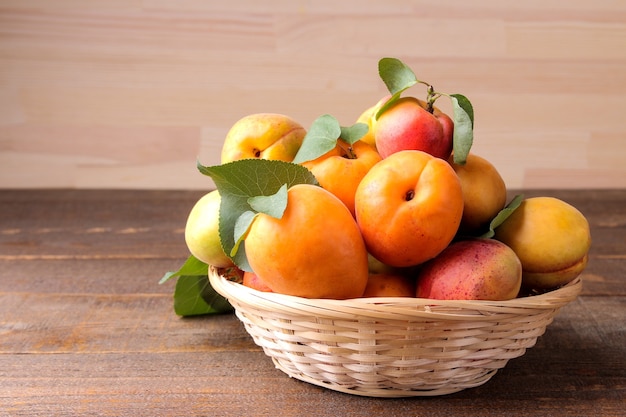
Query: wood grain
{"points": [[86, 330], [128, 94]]}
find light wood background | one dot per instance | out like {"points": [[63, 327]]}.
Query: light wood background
{"points": [[129, 93]]}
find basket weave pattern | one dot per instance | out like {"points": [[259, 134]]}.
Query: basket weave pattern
{"points": [[392, 347]]}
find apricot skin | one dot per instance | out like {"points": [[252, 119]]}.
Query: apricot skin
{"points": [[202, 231], [389, 285], [409, 208], [369, 118], [263, 135], [341, 174], [252, 280], [551, 238], [484, 193], [314, 251], [408, 125], [473, 269]]}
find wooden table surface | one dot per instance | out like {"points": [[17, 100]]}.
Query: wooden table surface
{"points": [[85, 329]]}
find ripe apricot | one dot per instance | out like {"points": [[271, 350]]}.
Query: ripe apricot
{"points": [[252, 280], [369, 118], [340, 171], [202, 231], [263, 135], [389, 285], [552, 239], [315, 250], [409, 207], [484, 192], [408, 124], [472, 269]]}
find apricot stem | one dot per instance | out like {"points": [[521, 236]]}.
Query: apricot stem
{"points": [[349, 151], [430, 99]]}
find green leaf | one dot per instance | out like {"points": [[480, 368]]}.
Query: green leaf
{"points": [[503, 215], [242, 225], [192, 266], [320, 138], [463, 136], [237, 182], [464, 103], [398, 77], [194, 296], [272, 205], [353, 133]]}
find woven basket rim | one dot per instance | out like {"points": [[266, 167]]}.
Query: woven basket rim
{"points": [[391, 307]]}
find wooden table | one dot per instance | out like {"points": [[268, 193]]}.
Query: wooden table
{"points": [[86, 330]]}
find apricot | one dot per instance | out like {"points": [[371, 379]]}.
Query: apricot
{"points": [[408, 207], [474, 269], [252, 280], [341, 170], [389, 285], [484, 193], [315, 250], [551, 238], [407, 124], [375, 266], [369, 118], [202, 231], [263, 135]]}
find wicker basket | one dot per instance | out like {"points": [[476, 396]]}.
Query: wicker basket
{"points": [[392, 347]]}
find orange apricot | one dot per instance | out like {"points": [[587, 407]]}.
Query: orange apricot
{"points": [[409, 207], [484, 192], [340, 171], [252, 280], [263, 135], [389, 285], [315, 250]]}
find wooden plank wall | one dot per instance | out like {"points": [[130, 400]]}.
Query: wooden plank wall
{"points": [[129, 93]]}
